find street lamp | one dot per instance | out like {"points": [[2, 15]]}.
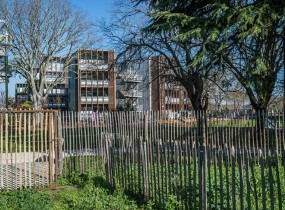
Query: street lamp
{"points": [[5, 43]]}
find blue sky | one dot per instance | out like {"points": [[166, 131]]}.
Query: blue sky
{"points": [[96, 9]]}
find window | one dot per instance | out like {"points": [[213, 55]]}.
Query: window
{"points": [[94, 92], [89, 92], [106, 92], [100, 75], [105, 75], [100, 92]]}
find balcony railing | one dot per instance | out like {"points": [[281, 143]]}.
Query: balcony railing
{"points": [[94, 83], [21, 89], [56, 105], [171, 86], [172, 100], [57, 91], [58, 79], [131, 77], [95, 99], [91, 66], [132, 93]]}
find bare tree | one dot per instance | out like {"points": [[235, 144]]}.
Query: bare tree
{"points": [[40, 31]]}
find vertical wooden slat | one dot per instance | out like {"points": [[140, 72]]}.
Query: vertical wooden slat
{"points": [[270, 179], [215, 177], [254, 183], [46, 116], [240, 168], [92, 142], [278, 181], [221, 168], [55, 146], [74, 149], [263, 185], [59, 138], [194, 173], [84, 147], [51, 154], [233, 162], [248, 185], [29, 148], [209, 199], [227, 176], [20, 149], [25, 148], [41, 151], [11, 142], [6, 150], [1, 145]]}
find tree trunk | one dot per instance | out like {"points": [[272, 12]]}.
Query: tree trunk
{"points": [[201, 147], [37, 102], [201, 143], [200, 104], [261, 123]]}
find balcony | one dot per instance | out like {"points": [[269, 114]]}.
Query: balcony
{"points": [[21, 90], [94, 99], [131, 77], [92, 66], [56, 105], [131, 93], [94, 83], [171, 86], [169, 100], [57, 91], [60, 80]]}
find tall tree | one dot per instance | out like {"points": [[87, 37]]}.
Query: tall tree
{"points": [[245, 36], [149, 36], [40, 31], [184, 58]]}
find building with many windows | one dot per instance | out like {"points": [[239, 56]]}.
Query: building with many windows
{"points": [[133, 86], [166, 93], [149, 85], [92, 81], [129, 87], [57, 84], [90, 84]]}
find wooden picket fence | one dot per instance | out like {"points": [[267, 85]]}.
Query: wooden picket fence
{"points": [[29, 149], [157, 155]]}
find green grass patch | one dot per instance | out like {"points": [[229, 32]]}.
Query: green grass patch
{"points": [[85, 191]]}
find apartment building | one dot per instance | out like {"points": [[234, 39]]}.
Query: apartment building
{"points": [[166, 93], [149, 85], [92, 81], [130, 86], [57, 84], [133, 86]]}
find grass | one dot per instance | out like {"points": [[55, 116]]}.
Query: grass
{"points": [[76, 192], [85, 191]]}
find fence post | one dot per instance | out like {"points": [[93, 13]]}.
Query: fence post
{"points": [[202, 177], [60, 143], [145, 133]]}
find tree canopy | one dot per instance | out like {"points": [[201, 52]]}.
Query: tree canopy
{"points": [[245, 37]]}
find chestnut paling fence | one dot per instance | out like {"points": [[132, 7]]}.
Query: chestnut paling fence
{"points": [[234, 161], [28, 149]]}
